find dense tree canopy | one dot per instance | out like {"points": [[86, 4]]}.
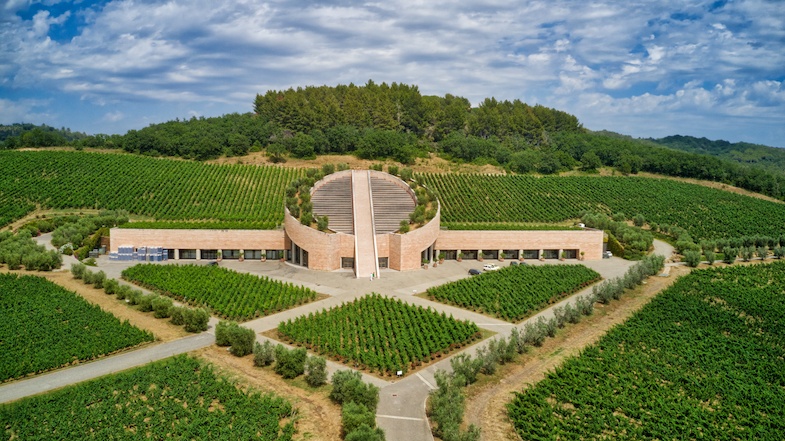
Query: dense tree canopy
{"points": [[30, 135]]}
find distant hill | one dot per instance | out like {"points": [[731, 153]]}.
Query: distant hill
{"points": [[770, 158]]}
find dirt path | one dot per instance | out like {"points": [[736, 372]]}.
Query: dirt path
{"points": [[487, 401], [161, 328], [319, 418]]}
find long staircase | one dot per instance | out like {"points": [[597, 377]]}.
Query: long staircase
{"points": [[363, 204], [366, 261]]}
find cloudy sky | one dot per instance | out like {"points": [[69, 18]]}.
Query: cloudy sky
{"points": [[640, 67]]}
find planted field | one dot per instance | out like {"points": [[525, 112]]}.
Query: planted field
{"points": [[379, 333], [514, 293], [703, 360], [229, 294], [160, 188], [178, 398], [45, 327], [706, 213]]}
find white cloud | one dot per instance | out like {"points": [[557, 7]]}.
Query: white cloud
{"points": [[114, 116], [599, 60], [25, 110]]}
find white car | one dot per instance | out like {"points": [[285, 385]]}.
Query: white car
{"points": [[490, 267]]}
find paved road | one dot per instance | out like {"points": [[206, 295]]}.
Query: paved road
{"points": [[104, 366], [401, 411]]}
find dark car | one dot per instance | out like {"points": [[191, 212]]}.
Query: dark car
{"points": [[474, 272], [513, 262], [213, 263]]}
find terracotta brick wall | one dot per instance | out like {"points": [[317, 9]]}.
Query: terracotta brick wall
{"points": [[324, 249], [198, 239], [588, 241], [406, 248]]}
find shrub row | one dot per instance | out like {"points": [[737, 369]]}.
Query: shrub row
{"points": [[194, 320], [358, 399], [447, 401]]}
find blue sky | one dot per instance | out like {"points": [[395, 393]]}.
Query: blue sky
{"points": [[642, 68]]}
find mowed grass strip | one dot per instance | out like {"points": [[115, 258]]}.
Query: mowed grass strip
{"points": [[378, 333], [228, 294], [44, 327], [516, 292], [178, 398], [703, 360]]}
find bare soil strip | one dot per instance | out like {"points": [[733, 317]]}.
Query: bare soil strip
{"points": [[318, 418]]}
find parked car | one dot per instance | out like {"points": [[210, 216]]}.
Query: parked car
{"points": [[474, 272], [607, 255], [513, 262], [213, 263], [490, 267]]}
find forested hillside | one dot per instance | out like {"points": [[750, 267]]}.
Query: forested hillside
{"points": [[396, 122], [30, 135], [770, 158]]}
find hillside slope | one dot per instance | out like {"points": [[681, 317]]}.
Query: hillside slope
{"points": [[769, 158]]}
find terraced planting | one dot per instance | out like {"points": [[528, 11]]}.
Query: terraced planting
{"points": [[229, 294], [703, 360], [46, 327], [516, 292], [379, 333], [178, 398], [706, 213], [164, 189]]}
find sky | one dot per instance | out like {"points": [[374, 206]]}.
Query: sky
{"points": [[643, 68]]}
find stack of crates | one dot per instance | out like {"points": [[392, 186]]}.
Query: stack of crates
{"points": [[124, 253], [141, 254], [155, 254]]}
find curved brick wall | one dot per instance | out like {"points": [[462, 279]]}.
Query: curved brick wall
{"points": [[324, 249]]}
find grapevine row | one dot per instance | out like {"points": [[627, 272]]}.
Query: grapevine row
{"points": [[379, 333], [160, 188], [703, 360], [229, 294], [514, 293], [178, 398], [706, 213], [45, 327]]}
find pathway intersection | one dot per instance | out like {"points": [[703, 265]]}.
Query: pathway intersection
{"points": [[401, 411]]}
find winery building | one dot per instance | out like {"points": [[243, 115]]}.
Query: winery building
{"points": [[365, 209]]}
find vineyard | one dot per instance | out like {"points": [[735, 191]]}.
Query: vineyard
{"points": [[159, 188], [179, 398], [45, 327], [379, 333], [229, 294], [706, 213], [514, 293], [703, 360]]}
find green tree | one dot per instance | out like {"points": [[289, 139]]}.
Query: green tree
{"points": [[315, 371], [263, 354], [276, 152], [590, 162]]}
